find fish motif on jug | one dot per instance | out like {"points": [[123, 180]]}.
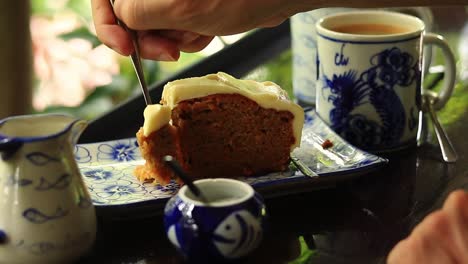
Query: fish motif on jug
{"points": [[62, 182], [35, 216], [40, 158]]}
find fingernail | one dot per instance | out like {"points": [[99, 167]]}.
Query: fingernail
{"points": [[166, 57], [114, 48], [118, 50], [189, 36]]}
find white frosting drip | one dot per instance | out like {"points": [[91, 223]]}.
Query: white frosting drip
{"points": [[156, 116], [266, 94]]}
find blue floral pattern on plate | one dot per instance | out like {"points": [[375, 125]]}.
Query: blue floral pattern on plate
{"points": [[107, 167]]}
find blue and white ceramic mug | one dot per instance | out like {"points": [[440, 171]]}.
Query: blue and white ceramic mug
{"points": [[369, 86], [227, 225], [304, 46]]}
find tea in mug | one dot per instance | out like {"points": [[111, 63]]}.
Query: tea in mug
{"points": [[370, 29]]}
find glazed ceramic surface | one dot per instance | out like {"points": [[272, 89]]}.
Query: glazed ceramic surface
{"points": [[304, 47], [107, 169], [46, 213], [226, 225], [369, 85]]}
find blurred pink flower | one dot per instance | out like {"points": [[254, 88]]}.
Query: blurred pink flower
{"points": [[67, 69]]}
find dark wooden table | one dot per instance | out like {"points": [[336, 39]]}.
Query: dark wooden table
{"points": [[353, 221]]}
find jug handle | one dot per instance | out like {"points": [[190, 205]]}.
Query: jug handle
{"points": [[8, 147]]}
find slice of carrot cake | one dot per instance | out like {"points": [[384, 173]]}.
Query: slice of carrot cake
{"points": [[219, 126]]}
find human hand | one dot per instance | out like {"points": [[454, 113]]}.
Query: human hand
{"points": [[206, 17], [442, 237], [166, 27], [161, 45]]}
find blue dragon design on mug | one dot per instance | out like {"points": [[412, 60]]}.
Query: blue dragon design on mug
{"points": [[376, 85], [370, 74]]}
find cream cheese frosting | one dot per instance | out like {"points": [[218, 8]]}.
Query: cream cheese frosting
{"points": [[266, 94]]}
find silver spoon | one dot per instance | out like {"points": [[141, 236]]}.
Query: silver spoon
{"points": [[448, 151], [175, 167], [135, 56]]}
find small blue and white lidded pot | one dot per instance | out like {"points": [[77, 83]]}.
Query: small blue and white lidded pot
{"points": [[227, 225]]}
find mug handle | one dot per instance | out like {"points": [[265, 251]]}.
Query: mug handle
{"points": [[443, 96]]}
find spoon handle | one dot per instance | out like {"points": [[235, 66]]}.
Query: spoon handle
{"points": [[174, 165], [135, 56], [448, 151]]}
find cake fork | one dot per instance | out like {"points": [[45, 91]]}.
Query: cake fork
{"points": [[302, 166], [135, 56]]}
